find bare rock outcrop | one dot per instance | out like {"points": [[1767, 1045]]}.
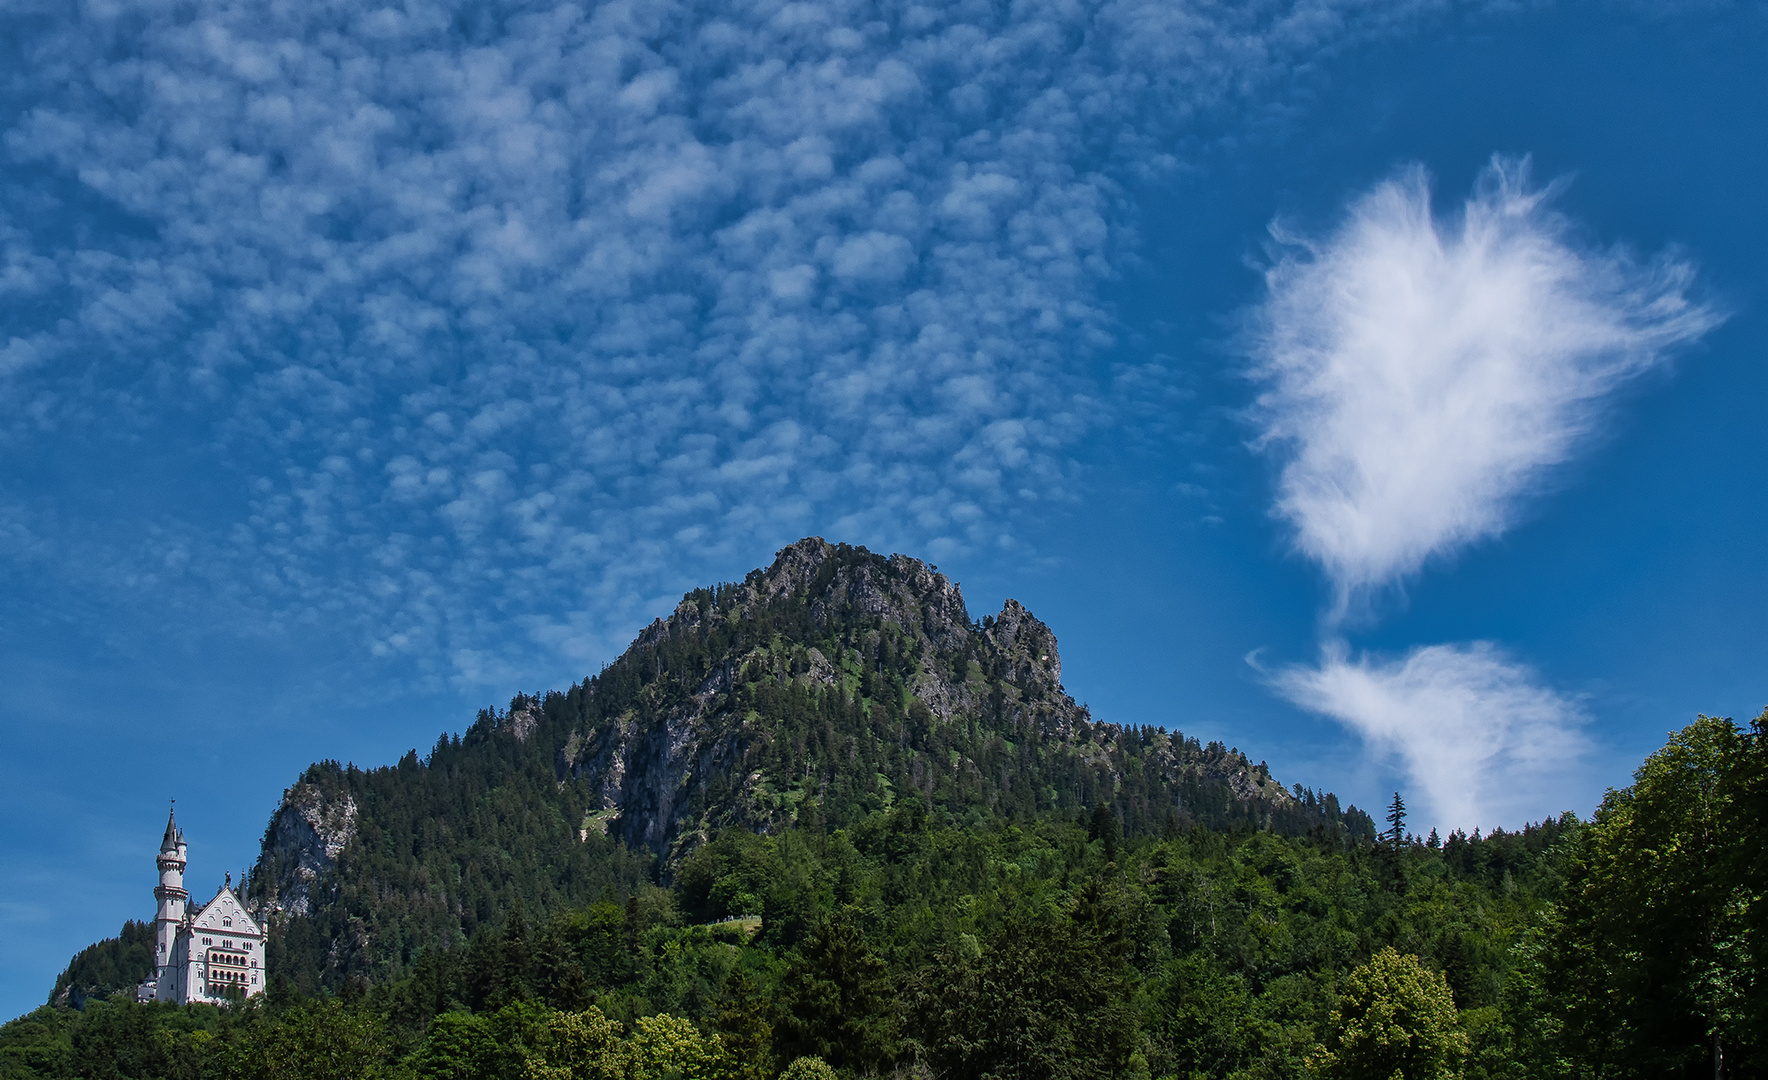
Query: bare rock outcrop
{"points": [[309, 831]]}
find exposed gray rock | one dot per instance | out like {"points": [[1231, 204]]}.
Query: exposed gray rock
{"points": [[522, 720], [312, 827]]}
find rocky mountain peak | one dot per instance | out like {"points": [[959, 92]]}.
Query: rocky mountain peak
{"points": [[839, 582], [881, 649], [878, 640], [1017, 633], [827, 690]]}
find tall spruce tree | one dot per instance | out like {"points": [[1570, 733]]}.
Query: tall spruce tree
{"points": [[1396, 820]]}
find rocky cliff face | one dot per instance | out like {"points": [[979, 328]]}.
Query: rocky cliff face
{"points": [[297, 864]]}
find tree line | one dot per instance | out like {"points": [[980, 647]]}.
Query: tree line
{"points": [[906, 944]]}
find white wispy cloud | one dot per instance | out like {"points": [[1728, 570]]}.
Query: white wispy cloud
{"points": [[1422, 376], [511, 320], [1486, 742]]}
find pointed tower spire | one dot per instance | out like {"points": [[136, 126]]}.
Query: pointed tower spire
{"points": [[173, 836]]}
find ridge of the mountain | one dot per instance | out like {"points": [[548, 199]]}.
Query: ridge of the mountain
{"points": [[883, 643], [831, 686]]}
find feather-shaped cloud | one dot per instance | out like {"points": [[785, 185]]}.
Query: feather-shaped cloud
{"points": [[1422, 376], [1476, 730], [1421, 379]]}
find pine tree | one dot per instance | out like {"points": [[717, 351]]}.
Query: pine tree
{"points": [[1103, 826], [743, 1021], [1396, 817], [839, 1003]]}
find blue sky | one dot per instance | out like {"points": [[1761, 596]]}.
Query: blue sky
{"points": [[1371, 386]]}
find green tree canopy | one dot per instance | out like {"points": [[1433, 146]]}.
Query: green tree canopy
{"points": [[1652, 962], [839, 1006], [809, 1068], [320, 1040], [1394, 1020]]}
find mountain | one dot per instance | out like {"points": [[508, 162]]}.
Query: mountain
{"points": [[830, 687], [821, 814]]}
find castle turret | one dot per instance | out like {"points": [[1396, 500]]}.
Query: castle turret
{"points": [[170, 893]]}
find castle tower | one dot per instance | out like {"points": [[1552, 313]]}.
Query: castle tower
{"points": [[170, 894]]}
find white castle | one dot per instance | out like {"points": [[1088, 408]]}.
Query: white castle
{"points": [[212, 955]]}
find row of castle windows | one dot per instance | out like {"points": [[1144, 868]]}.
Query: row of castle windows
{"points": [[237, 977]]}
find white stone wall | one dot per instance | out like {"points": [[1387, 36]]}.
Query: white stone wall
{"points": [[224, 950], [174, 977]]}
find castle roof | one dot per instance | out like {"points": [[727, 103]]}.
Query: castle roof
{"points": [[174, 835], [226, 906]]}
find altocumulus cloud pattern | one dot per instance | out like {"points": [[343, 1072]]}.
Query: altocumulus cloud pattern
{"points": [[465, 306]]}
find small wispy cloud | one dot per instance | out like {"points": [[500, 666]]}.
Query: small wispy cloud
{"points": [[1486, 742], [1422, 376]]}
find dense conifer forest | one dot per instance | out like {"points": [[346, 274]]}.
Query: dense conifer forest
{"points": [[810, 826]]}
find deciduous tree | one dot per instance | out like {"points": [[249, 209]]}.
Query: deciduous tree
{"points": [[1394, 1020]]}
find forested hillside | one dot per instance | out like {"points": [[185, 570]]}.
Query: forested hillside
{"points": [[831, 687], [1629, 946], [112, 964], [820, 823]]}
